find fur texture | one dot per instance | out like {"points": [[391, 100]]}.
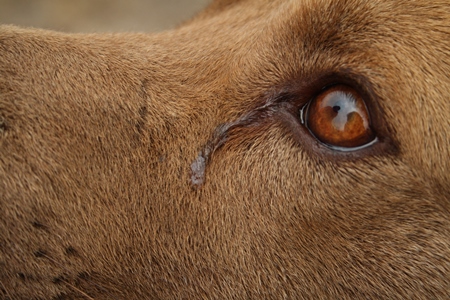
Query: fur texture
{"points": [[174, 165]]}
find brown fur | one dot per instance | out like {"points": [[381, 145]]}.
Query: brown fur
{"points": [[173, 165]]}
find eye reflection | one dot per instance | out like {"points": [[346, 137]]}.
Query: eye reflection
{"points": [[345, 109]]}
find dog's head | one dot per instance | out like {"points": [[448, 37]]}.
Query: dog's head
{"points": [[263, 149]]}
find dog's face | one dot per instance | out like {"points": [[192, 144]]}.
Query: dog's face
{"points": [[264, 149]]}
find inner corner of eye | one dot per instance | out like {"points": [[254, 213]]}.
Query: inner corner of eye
{"points": [[302, 113]]}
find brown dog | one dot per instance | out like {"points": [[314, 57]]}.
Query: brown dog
{"points": [[265, 149]]}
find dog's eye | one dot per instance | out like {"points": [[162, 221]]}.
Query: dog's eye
{"points": [[339, 118]]}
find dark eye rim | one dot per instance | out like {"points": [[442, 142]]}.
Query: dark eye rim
{"points": [[295, 96], [304, 111]]}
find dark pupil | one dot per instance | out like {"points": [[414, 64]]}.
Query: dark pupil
{"points": [[336, 108]]}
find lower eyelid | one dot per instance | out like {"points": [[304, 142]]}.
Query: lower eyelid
{"points": [[352, 149]]}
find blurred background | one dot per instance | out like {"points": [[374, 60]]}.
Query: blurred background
{"points": [[99, 15]]}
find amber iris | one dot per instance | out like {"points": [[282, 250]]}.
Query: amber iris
{"points": [[339, 117]]}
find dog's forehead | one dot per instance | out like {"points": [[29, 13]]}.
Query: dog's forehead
{"points": [[375, 39], [398, 47], [320, 20]]}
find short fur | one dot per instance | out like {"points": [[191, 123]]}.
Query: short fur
{"points": [[173, 165]]}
